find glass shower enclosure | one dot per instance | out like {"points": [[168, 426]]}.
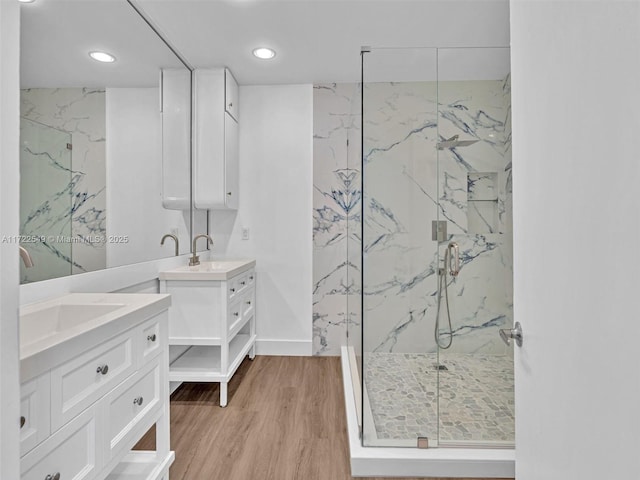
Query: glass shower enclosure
{"points": [[435, 249]]}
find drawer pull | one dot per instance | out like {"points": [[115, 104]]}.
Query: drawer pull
{"points": [[22, 421], [138, 401], [251, 277], [232, 290], [248, 302], [229, 193], [230, 104], [151, 338], [243, 283], [55, 476], [103, 369], [236, 314]]}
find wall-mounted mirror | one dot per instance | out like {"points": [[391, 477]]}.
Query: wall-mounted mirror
{"points": [[91, 187]]}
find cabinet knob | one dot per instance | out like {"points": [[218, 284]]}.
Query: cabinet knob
{"points": [[248, 302], [22, 421], [251, 277], [243, 283], [103, 369], [236, 314], [55, 476], [232, 290], [138, 401], [151, 338], [229, 193], [230, 104]]}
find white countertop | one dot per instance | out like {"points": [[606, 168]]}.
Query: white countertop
{"points": [[219, 270], [52, 328]]}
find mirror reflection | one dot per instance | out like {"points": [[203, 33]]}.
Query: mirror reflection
{"points": [[91, 128]]}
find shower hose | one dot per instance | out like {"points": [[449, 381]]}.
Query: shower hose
{"points": [[443, 282]]}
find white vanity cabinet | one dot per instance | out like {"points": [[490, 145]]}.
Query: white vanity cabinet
{"points": [[216, 141], [213, 312], [87, 400]]}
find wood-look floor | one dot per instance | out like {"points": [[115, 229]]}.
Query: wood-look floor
{"points": [[285, 421]]}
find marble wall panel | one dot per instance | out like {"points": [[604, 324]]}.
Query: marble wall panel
{"points": [[80, 112], [409, 183]]}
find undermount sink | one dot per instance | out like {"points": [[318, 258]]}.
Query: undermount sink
{"points": [[48, 325], [52, 320], [209, 270]]}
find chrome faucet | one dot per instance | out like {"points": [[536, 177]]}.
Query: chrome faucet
{"points": [[195, 259], [175, 238], [26, 258]]}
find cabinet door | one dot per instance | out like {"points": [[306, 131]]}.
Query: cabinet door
{"points": [[176, 138], [232, 165], [231, 94]]}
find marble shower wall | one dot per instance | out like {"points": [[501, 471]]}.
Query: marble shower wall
{"points": [[409, 183], [68, 218], [336, 215]]}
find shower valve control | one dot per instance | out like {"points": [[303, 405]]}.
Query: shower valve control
{"points": [[514, 333]]}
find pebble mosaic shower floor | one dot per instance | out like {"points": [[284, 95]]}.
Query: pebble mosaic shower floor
{"points": [[476, 396]]}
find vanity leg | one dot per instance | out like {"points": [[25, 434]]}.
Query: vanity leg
{"points": [[252, 352], [223, 394]]}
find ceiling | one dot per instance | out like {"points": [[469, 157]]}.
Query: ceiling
{"points": [[317, 41], [56, 37]]}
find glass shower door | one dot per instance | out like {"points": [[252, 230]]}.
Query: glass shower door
{"points": [[45, 200], [476, 390], [399, 267]]}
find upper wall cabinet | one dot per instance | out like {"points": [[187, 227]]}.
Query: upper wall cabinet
{"points": [[215, 139]]}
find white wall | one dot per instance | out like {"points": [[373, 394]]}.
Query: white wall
{"points": [[9, 199], [276, 168], [576, 121], [134, 183]]}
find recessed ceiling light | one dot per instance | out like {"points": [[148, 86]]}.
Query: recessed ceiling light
{"points": [[264, 53], [102, 57], [27, 1]]}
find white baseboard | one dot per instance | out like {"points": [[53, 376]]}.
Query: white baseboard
{"points": [[293, 348]]}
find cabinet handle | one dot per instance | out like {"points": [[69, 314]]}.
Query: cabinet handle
{"points": [[243, 283], [248, 302], [232, 290], [151, 338], [138, 401], [22, 421], [103, 369], [229, 193], [251, 277], [230, 104], [236, 314], [55, 476]]}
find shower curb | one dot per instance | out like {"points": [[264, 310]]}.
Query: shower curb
{"points": [[413, 462]]}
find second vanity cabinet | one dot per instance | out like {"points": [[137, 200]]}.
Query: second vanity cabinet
{"points": [[213, 312], [87, 401]]}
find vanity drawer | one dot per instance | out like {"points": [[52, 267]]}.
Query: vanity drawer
{"points": [[71, 452], [247, 303], [79, 382], [150, 337], [251, 278], [128, 405], [234, 317], [34, 413], [242, 282]]}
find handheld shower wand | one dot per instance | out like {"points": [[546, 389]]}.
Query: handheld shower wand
{"points": [[451, 267]]}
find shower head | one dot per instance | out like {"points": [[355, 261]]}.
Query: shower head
{"points": [[453, 142]]}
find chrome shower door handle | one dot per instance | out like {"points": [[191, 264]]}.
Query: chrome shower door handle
{"points": [[454, 259], [514, 333]]}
